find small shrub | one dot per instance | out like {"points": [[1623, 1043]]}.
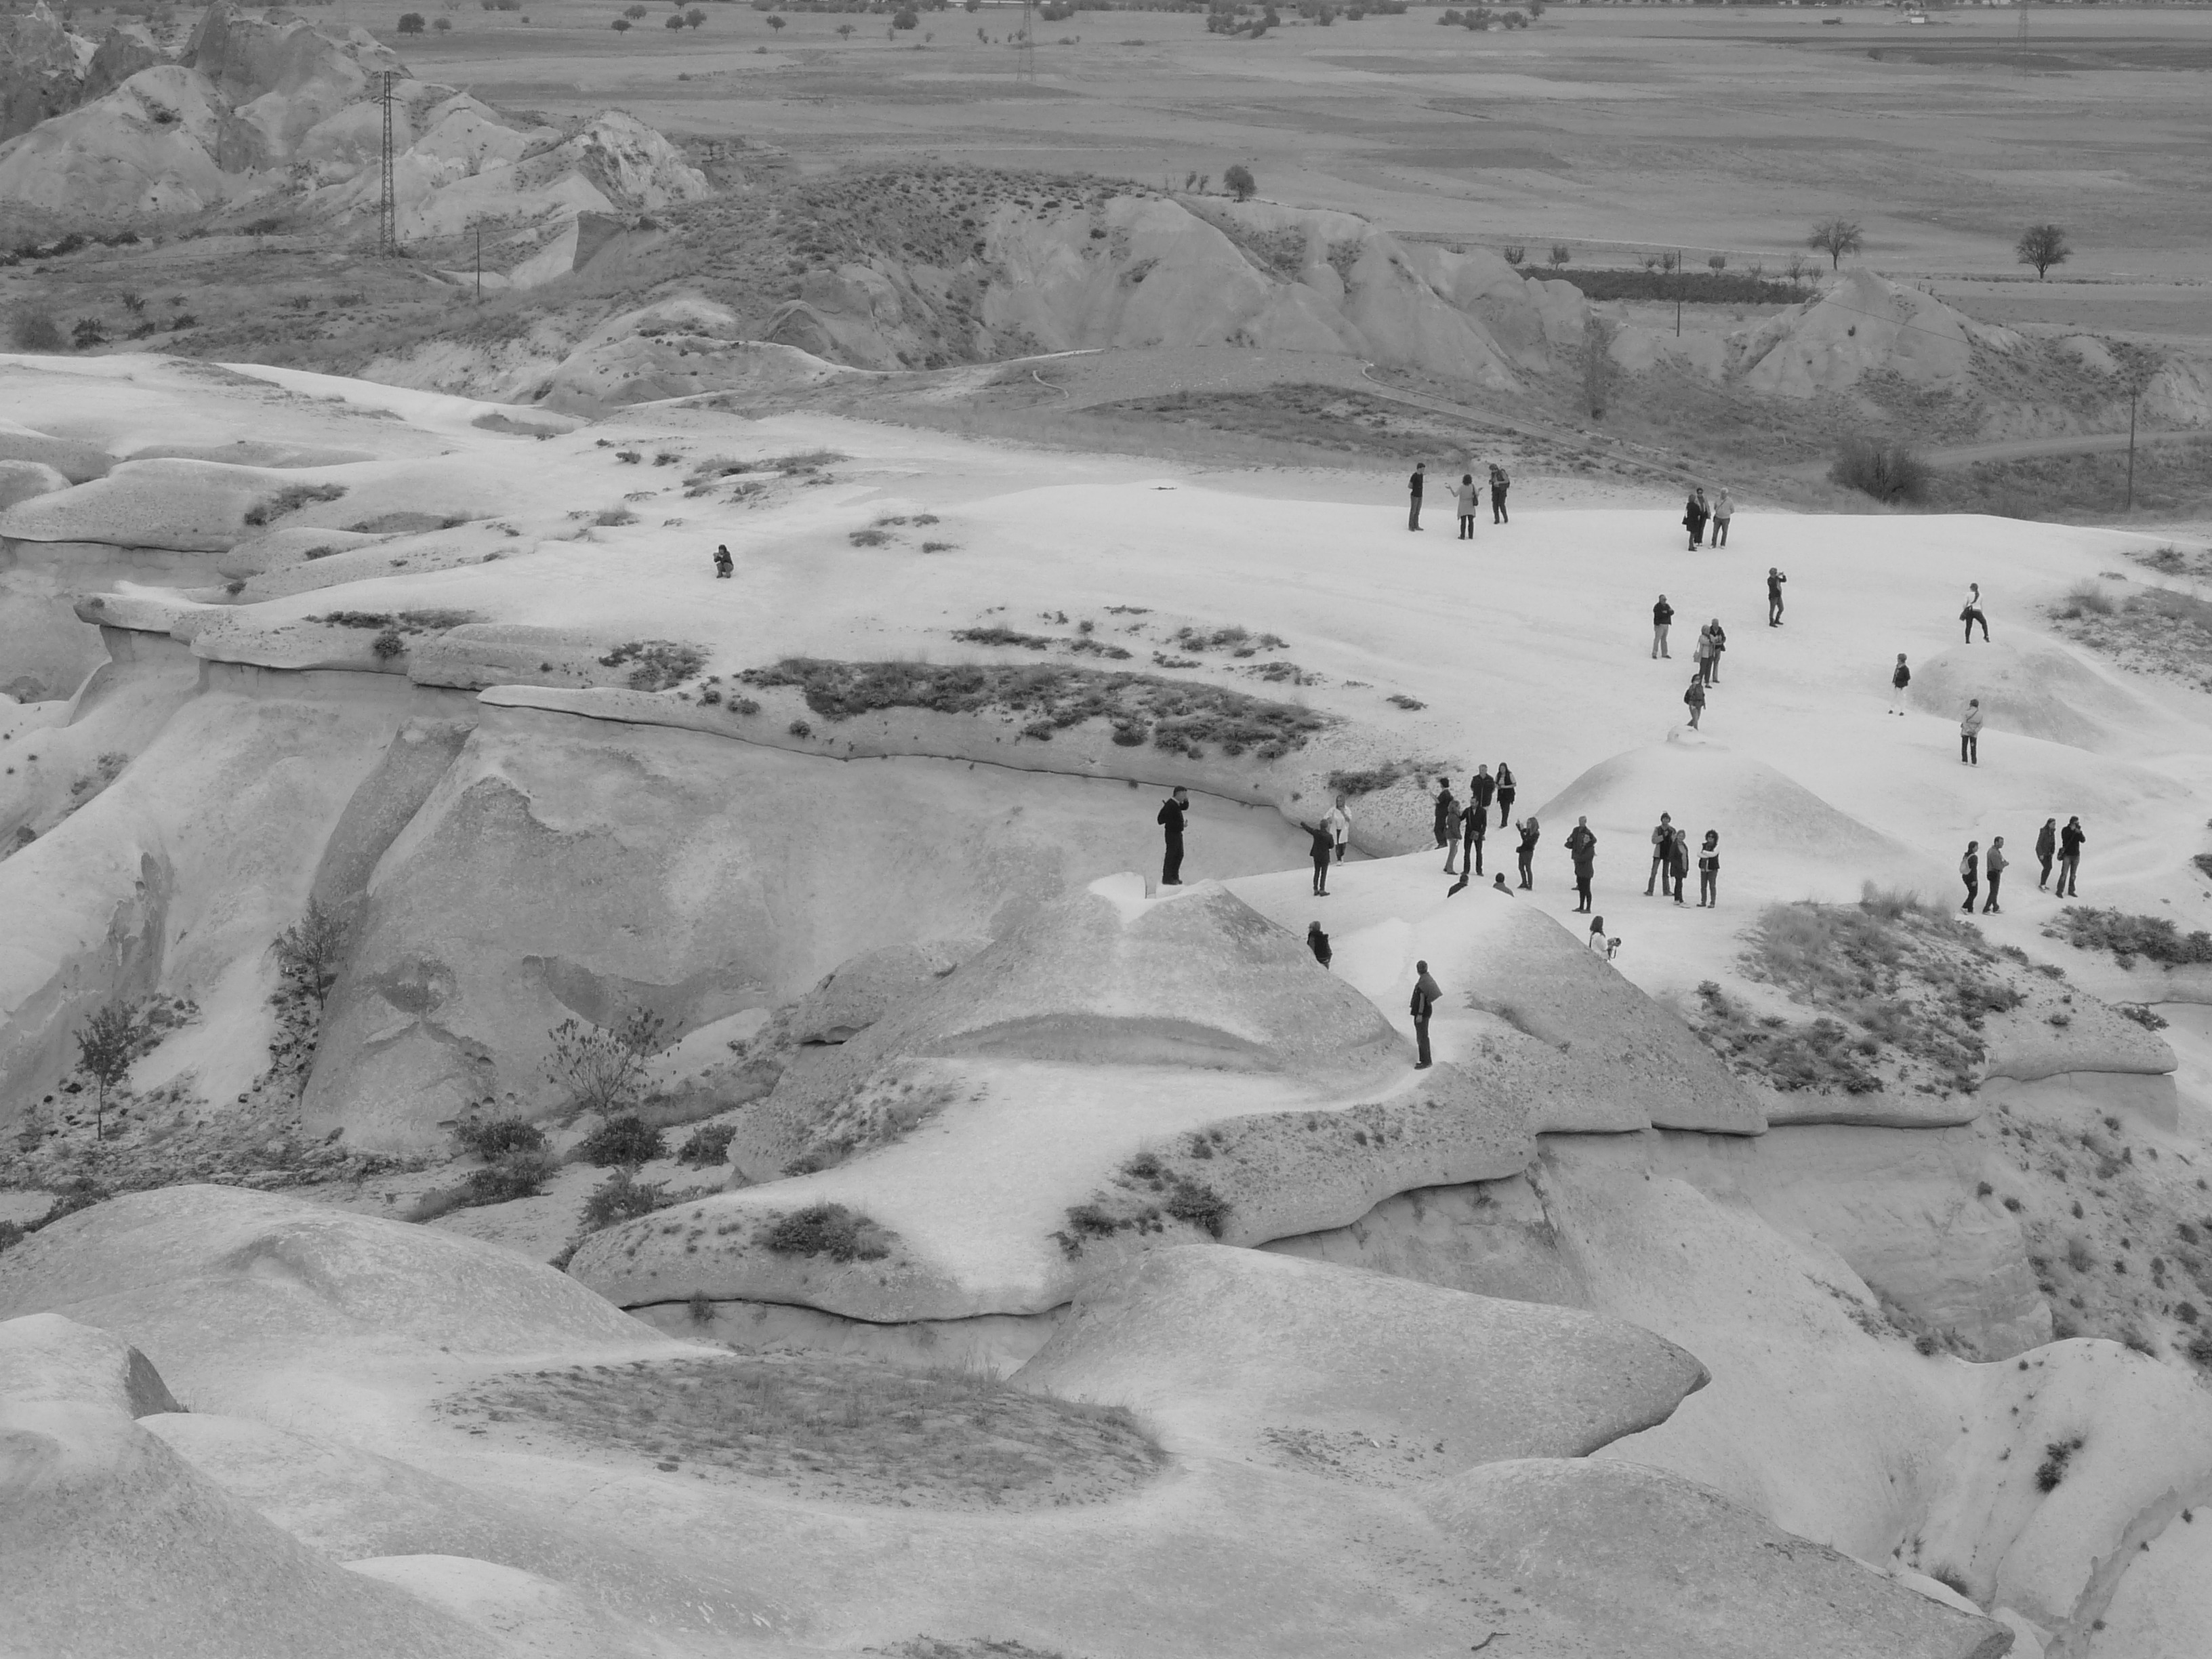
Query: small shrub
{"points": [[33, 328], [2056, 1456], [310, 952], [492, 1137], [291, 500], [388, 645], [996, 634], [708, 1147], [2085, 599], [86, 333], [622, 1197], [624, 1140], [829, 1230], [660, 665], [869, 538], [2143, 1014], [604, 1070], [1198, 1205], [612, 518], [1887, 471], [699, 1308], [512, 1174]]}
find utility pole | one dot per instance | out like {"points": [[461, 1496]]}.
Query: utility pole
{"points": [[1678, 294], [479, 262], [1025, 54], [2135, 390], [387, 227]]}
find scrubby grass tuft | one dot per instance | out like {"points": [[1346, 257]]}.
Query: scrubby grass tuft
{"points": [[623, 1197], [708, 1147], [2129, 937], [624, 1141], [829, 1230], [659, 664], [1367, 780], [290, 500], [492, 1138], [2056, 1456], [2085, 599]]}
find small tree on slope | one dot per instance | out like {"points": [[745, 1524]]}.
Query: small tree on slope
{"points": [[1836, 238], [105, 1049]]}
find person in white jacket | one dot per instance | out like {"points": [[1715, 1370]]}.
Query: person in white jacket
{"points": [[1339, 825], [1970, 612]]}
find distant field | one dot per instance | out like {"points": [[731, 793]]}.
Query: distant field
{"points": [[1612, 129]]}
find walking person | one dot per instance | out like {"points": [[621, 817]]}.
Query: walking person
{"points": [[1447, 822], [2069, 858], [1499, 483], [1694, 513], [1413, 486], [1323, 847], [1318, 942], [1993, 864], [723, 565], [1662, 843], [1720, 644], [1582, 848], [1506, 790], [1723, 510], [1695, 697], [1970, 871], [1426, 994], [1774, 580], [1467, 499], [1531, 833], [1481, 790], [1709, 872], [1662, 616], [2046, 848], [1970, 612], [1339, 829], [1969, 734], [1899, 678], [1172, 811]]}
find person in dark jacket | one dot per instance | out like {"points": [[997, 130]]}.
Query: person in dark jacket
{"points": [[1899, 678], [1474, 828], [1709, 872], [1694, 514], [722, 564], [1170, 818], [1414, 488], [1662, 614], [1970, 871], [1720, 644], [1318, 942], [1465, 498], [1426, 994], [2070, 858], [1531, 833], [1694, 699], [1499, 483], [1582, 848], [1481, 790], [2046, 848], [1662, 843], [1774, 580], [1993, 864], [1447, 823], [1678, 861], [1324, 851], [1506, 789]]}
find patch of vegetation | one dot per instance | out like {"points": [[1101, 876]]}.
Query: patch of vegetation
{"points": [[656, 665], [1888, 471], [1372, 780], [623, 1197], [839, 1428], [1175, 715], [105, 1050], [1712, 288], [998, 636], [829, 1230], [2056, 1456], [1815, 1055], [290, 500], [310, 955], [626, 1141], [492, 1137], [2143, 1014], [398, 621], [1149, 1193], [2129, 938], [2159, 630], [1237, 641], [708, 1145], [604, 1070]]}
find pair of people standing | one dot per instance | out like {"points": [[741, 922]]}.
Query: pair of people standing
{"points": [[1332, 843], [1670, 862], [1974, 863], [1698, 512], [2066, 845]]}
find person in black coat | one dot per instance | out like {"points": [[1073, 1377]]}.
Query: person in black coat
{"points": [[1473, 827], [1661, 614], [1426, 994], [1414, 488], [2046, 848], [1506, 789], [1531, 833], [722, 563], [1447, 823], [1170, 819], [1481, 790], [1582, 848], [1694, 514], [1318, 942], [2070, 858], [1324, 851]]}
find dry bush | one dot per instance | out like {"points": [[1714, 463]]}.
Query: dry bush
{"points": [[1888, 471]]}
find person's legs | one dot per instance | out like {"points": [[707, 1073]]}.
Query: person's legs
{"points": [[1171, 867], [1963, 741], [1678, 887], [1503, 517], [1505, 808], [1708, 885], [1969, 620], [1651, 881], [1414, 514], [1973, 892], [1471, 860], [1658, 641], [1696, 709], [1985, 622], [2043, 880], [1421, 1037], [1720, 532], [1974, 750], [1528, 873], [1582, 892], [1996, 877], [2069, 872]]}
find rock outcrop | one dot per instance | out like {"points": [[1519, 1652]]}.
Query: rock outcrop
{"points": [[45, 1357]]}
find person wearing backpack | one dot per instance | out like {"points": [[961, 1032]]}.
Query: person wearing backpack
{"points": [[1899, 678], [1318, 942], [1581, 848], [1993, 864], [1969, 734], [1970, 871], [1499, 483], [1426, 994], [1695, 697], [1663, 844], [2046, 848], [1662, 614], [1709, 873]]}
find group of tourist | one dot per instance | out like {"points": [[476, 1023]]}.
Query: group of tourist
{"points": [[1698, 512], [2052, 845], [1466, 497]]}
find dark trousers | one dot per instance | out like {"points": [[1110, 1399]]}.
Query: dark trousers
{"points": [[1658, 873], [722, 572], [1321, 872], [1498, 507], [1774, 610], [1697, 528], [1970, 619], [1583, 889], [1528, 873], [1421, 1035], [1970, 748], [1974, 891], [2067, 870], [1678, 878], [1504, 809], [1995, 877], [1171, 866], [1720, 532], [1708, 669], [1413, 517], [1467, 526], [1470, 861], [1709, 888], [2044, 880]]}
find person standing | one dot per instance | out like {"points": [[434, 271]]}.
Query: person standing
{"points": [[1969, 734], [2046, 848], [1970, 612], [1993, 863], [1531, 833], [1318, 942], [1447, 823], [1499, 483], [1709, 872], [1170, 818], [723, 565], [1413, 486], [1466, 497], [1774, 580], [1662, 843], [1506, 790], [1970, 871], [1324, 846], [1481, 790], [1339, 829], [1474, 823], [1720, 644], [1662, 616], [1695, 697], [1582, 848], [1899, 678], [2069, 858], [1709, 652], [1693, 519], [1723, 510], [1426, 994]]}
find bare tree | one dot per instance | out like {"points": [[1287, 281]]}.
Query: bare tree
{"points": [[2041, 246], [105, 1049], [1836, 238], [1795, 271]]}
